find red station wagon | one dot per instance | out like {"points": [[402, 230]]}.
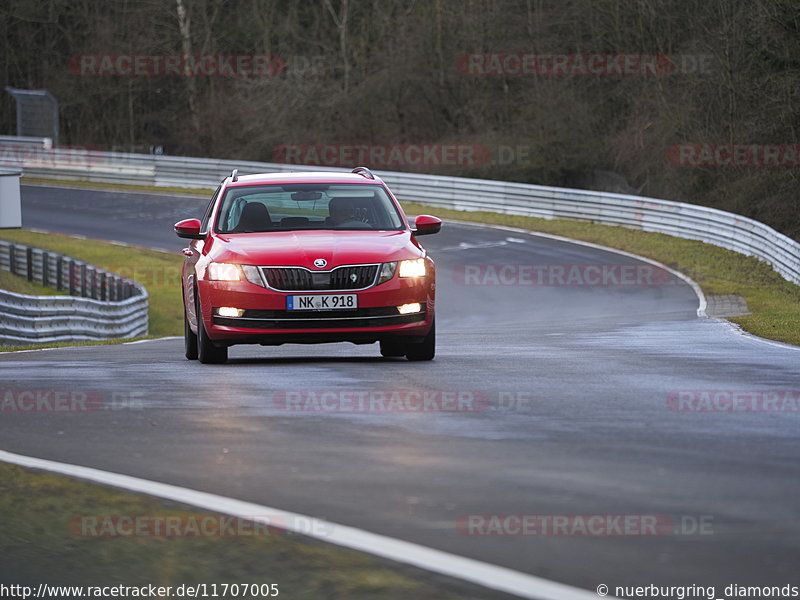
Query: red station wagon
{"points": [[307, 258]]}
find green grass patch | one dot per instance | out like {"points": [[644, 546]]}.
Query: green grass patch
{"points": [[43, 542], [118, 186], [774, 302], [158, 271], [20, 285]]}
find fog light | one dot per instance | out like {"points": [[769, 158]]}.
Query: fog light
{"points": [[229, 311], [407, 309]]}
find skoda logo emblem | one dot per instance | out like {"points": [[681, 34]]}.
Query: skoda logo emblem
{"points": [[320, 263]]}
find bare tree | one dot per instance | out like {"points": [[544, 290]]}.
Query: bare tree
{"points": [[340, 20]]}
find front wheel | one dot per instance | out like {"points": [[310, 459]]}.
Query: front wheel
{"points": [[207, 352], [424, 350], [189, 338]]}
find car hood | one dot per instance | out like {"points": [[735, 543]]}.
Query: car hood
{"points": [[302, 248]]}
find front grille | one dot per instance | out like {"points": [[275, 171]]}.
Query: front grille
{"points": [[298, 279]]}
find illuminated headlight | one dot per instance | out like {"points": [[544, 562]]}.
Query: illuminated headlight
{"points": [[412, 268], [387, 271], [407, 309], [253, 275], [224, 272], [229, 311]]}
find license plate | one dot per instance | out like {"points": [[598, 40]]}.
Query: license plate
{"points": [[322, 302]]}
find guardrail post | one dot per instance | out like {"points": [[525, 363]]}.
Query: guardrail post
{"points": [[83, 280], [71, 277], [60, 273], [29, 262], [45, 269], [12, 259]]}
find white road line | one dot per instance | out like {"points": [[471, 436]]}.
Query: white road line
{"points": [[161, 339], [444, 563]]}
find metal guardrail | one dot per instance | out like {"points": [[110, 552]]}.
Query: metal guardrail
{"points": [[100, 305], [36, 142], [690, 221]]}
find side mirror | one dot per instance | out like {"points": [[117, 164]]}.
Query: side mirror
{"points": [[426, 225], [189, 228]]}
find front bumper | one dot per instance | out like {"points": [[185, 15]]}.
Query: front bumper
{"points": [[266, 319], [329, 319]]}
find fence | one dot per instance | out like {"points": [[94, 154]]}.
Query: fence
{"points": [[100, 304], [679, 219]]}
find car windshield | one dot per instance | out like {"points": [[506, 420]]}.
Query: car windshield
{"points": [[291, 207]]}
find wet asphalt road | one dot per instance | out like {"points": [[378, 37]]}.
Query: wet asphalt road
{"points": [[578, 378]]}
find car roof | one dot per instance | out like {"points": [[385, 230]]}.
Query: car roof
{"points": [[303, 177]]}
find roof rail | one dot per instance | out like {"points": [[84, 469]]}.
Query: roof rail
{"points": [[235, 175], [364, 172]]}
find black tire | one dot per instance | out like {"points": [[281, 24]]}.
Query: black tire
{"points": [[424, 350], [207, 352], [189, 338], [392, 348]]}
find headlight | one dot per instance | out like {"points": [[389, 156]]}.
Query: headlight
{"points": [[412, 268], [223, 272], [387, 271]]}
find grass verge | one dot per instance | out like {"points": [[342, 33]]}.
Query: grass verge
{"points": [[42, 543], [118, 186], [20, 285]]}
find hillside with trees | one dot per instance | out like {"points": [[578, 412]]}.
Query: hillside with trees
{"points": [[398, 72]]}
